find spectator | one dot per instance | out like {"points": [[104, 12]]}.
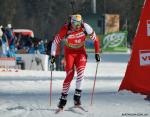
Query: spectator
{"points": [[31, 49], [11, 41], [1, 34], [41, 47], [4, 43]]}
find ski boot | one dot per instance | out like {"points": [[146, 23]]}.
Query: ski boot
{"points": [[63, 101], [77, 97]]}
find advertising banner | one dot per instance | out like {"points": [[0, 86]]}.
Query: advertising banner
{"points": [[115, 42], [112, 23], [6, 62], [144, 57]]}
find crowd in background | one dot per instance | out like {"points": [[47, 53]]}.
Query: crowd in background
{"points": [[15, 43]]}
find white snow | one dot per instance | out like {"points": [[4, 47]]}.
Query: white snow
{"points": [[26, 93]]}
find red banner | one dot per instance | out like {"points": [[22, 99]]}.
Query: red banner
{"points": [[137, 76]]}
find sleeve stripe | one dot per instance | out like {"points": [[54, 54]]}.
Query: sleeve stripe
{"points": [[57, 39]]}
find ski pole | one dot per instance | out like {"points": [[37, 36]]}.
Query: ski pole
{"points": [[92, 94], [50, 97]]}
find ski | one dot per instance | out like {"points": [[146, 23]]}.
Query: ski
{"points": [[79, 107], [58, 110], [72, 109]]}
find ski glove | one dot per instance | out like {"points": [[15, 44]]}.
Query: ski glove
{"points": [[52, 59], [97, 57]]}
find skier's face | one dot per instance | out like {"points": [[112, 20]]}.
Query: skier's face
{"points": [[76, 25]]}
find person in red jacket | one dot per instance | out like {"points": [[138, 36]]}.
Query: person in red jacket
{"points": [[74, 34]]}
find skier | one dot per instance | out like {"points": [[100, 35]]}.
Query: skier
{"points": [[74, 34]]}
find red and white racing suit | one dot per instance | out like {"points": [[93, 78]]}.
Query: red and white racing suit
{"points": [[74, 52]]}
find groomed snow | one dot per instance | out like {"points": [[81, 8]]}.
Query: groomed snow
{"points": [[26, 93]]}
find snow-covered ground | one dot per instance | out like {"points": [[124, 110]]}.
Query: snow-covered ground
{"points": [[26, 93]]}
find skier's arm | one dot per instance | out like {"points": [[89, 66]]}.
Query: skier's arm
{"points": [[93, 36], [57, 39], [96, 42]]}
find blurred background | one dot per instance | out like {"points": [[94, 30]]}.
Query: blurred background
{"points": [[114, 21], [45, 17]]}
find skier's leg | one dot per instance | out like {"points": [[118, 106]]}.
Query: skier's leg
{"points": [[69, 72], [80, 63], [67, 81]]}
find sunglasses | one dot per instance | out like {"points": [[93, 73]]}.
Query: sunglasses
{"points": [[76, 23]]}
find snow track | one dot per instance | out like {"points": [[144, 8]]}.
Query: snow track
{"points": [[26, 93]]}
